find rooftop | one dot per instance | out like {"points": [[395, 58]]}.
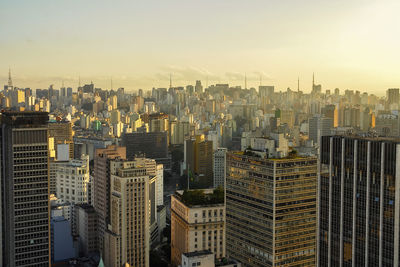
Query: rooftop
{"points": [[201, 197], [198, 253]]}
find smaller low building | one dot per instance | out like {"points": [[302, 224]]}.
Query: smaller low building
{"points": [[205, 258], [198, 258]]}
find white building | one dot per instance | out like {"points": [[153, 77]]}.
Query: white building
{"points": [[219, 167], [160, 185], [198, 258], [72, 179]]}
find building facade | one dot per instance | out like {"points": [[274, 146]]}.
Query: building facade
{"points": [[271, 210], [219, 166], [62, 133], [25, 220], [127, 239], [85, 226], [196, 227], [359, 210], [101, 184], [72, 180]]}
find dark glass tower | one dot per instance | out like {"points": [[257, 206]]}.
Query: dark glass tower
{"points": [[24, 189], [359, 201]]}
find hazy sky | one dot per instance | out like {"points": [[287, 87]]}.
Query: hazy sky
{"points": [[348, 44]]}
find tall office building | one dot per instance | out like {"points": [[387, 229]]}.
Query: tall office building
{"points": [[359, 208], [127, 240], [319, 126], [219, 166], [271, 210], [85, 226], [392, 96], [101, 184], [62, 133], [199, 158], [25, 224], [198, 87], [331, 111], [152, 145]]}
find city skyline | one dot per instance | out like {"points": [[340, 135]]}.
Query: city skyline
{"points": [[349, 45]]}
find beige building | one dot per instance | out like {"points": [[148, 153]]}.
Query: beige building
{"points": [[197, 223], [72, 180], [101, 185], [127, 239], [62, 133]]}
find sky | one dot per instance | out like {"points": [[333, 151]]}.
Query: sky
{"points": [[138, 44]]}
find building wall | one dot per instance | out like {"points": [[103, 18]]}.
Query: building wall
{"points": [[25, 192], [196, 228], [130, 220], [271, 210], [101, 184], [359, 213], [219, 167], [86, 228], [72, 179]]}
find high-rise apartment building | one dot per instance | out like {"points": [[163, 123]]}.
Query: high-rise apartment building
{"points": [[198, 87], [85, 226], [359, 209], [392, 96], [331, 111], [127, 240], [178, 130], [271, 210], [72, 180], [152, 145], [219, 166], [62, 133], [197, 223], [25, 219], [319, 126], [199, 158], [101, 184]]}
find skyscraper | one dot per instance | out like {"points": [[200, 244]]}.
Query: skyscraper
{"points": [[101, 184], [127, 239], [392, 96], [62, 133], [199, 158], [152, 145], [271, 210], [198, 87], [359, 208], [219, 166], [24, 194], [319, 126]]}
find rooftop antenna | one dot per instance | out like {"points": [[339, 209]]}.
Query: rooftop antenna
{"points": [[10, 84], [207, 81], [313, 79], [170, 80], [62, 84], [298, 84], [245, 81], [260, 79], [111, 84], [79, 81]]}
